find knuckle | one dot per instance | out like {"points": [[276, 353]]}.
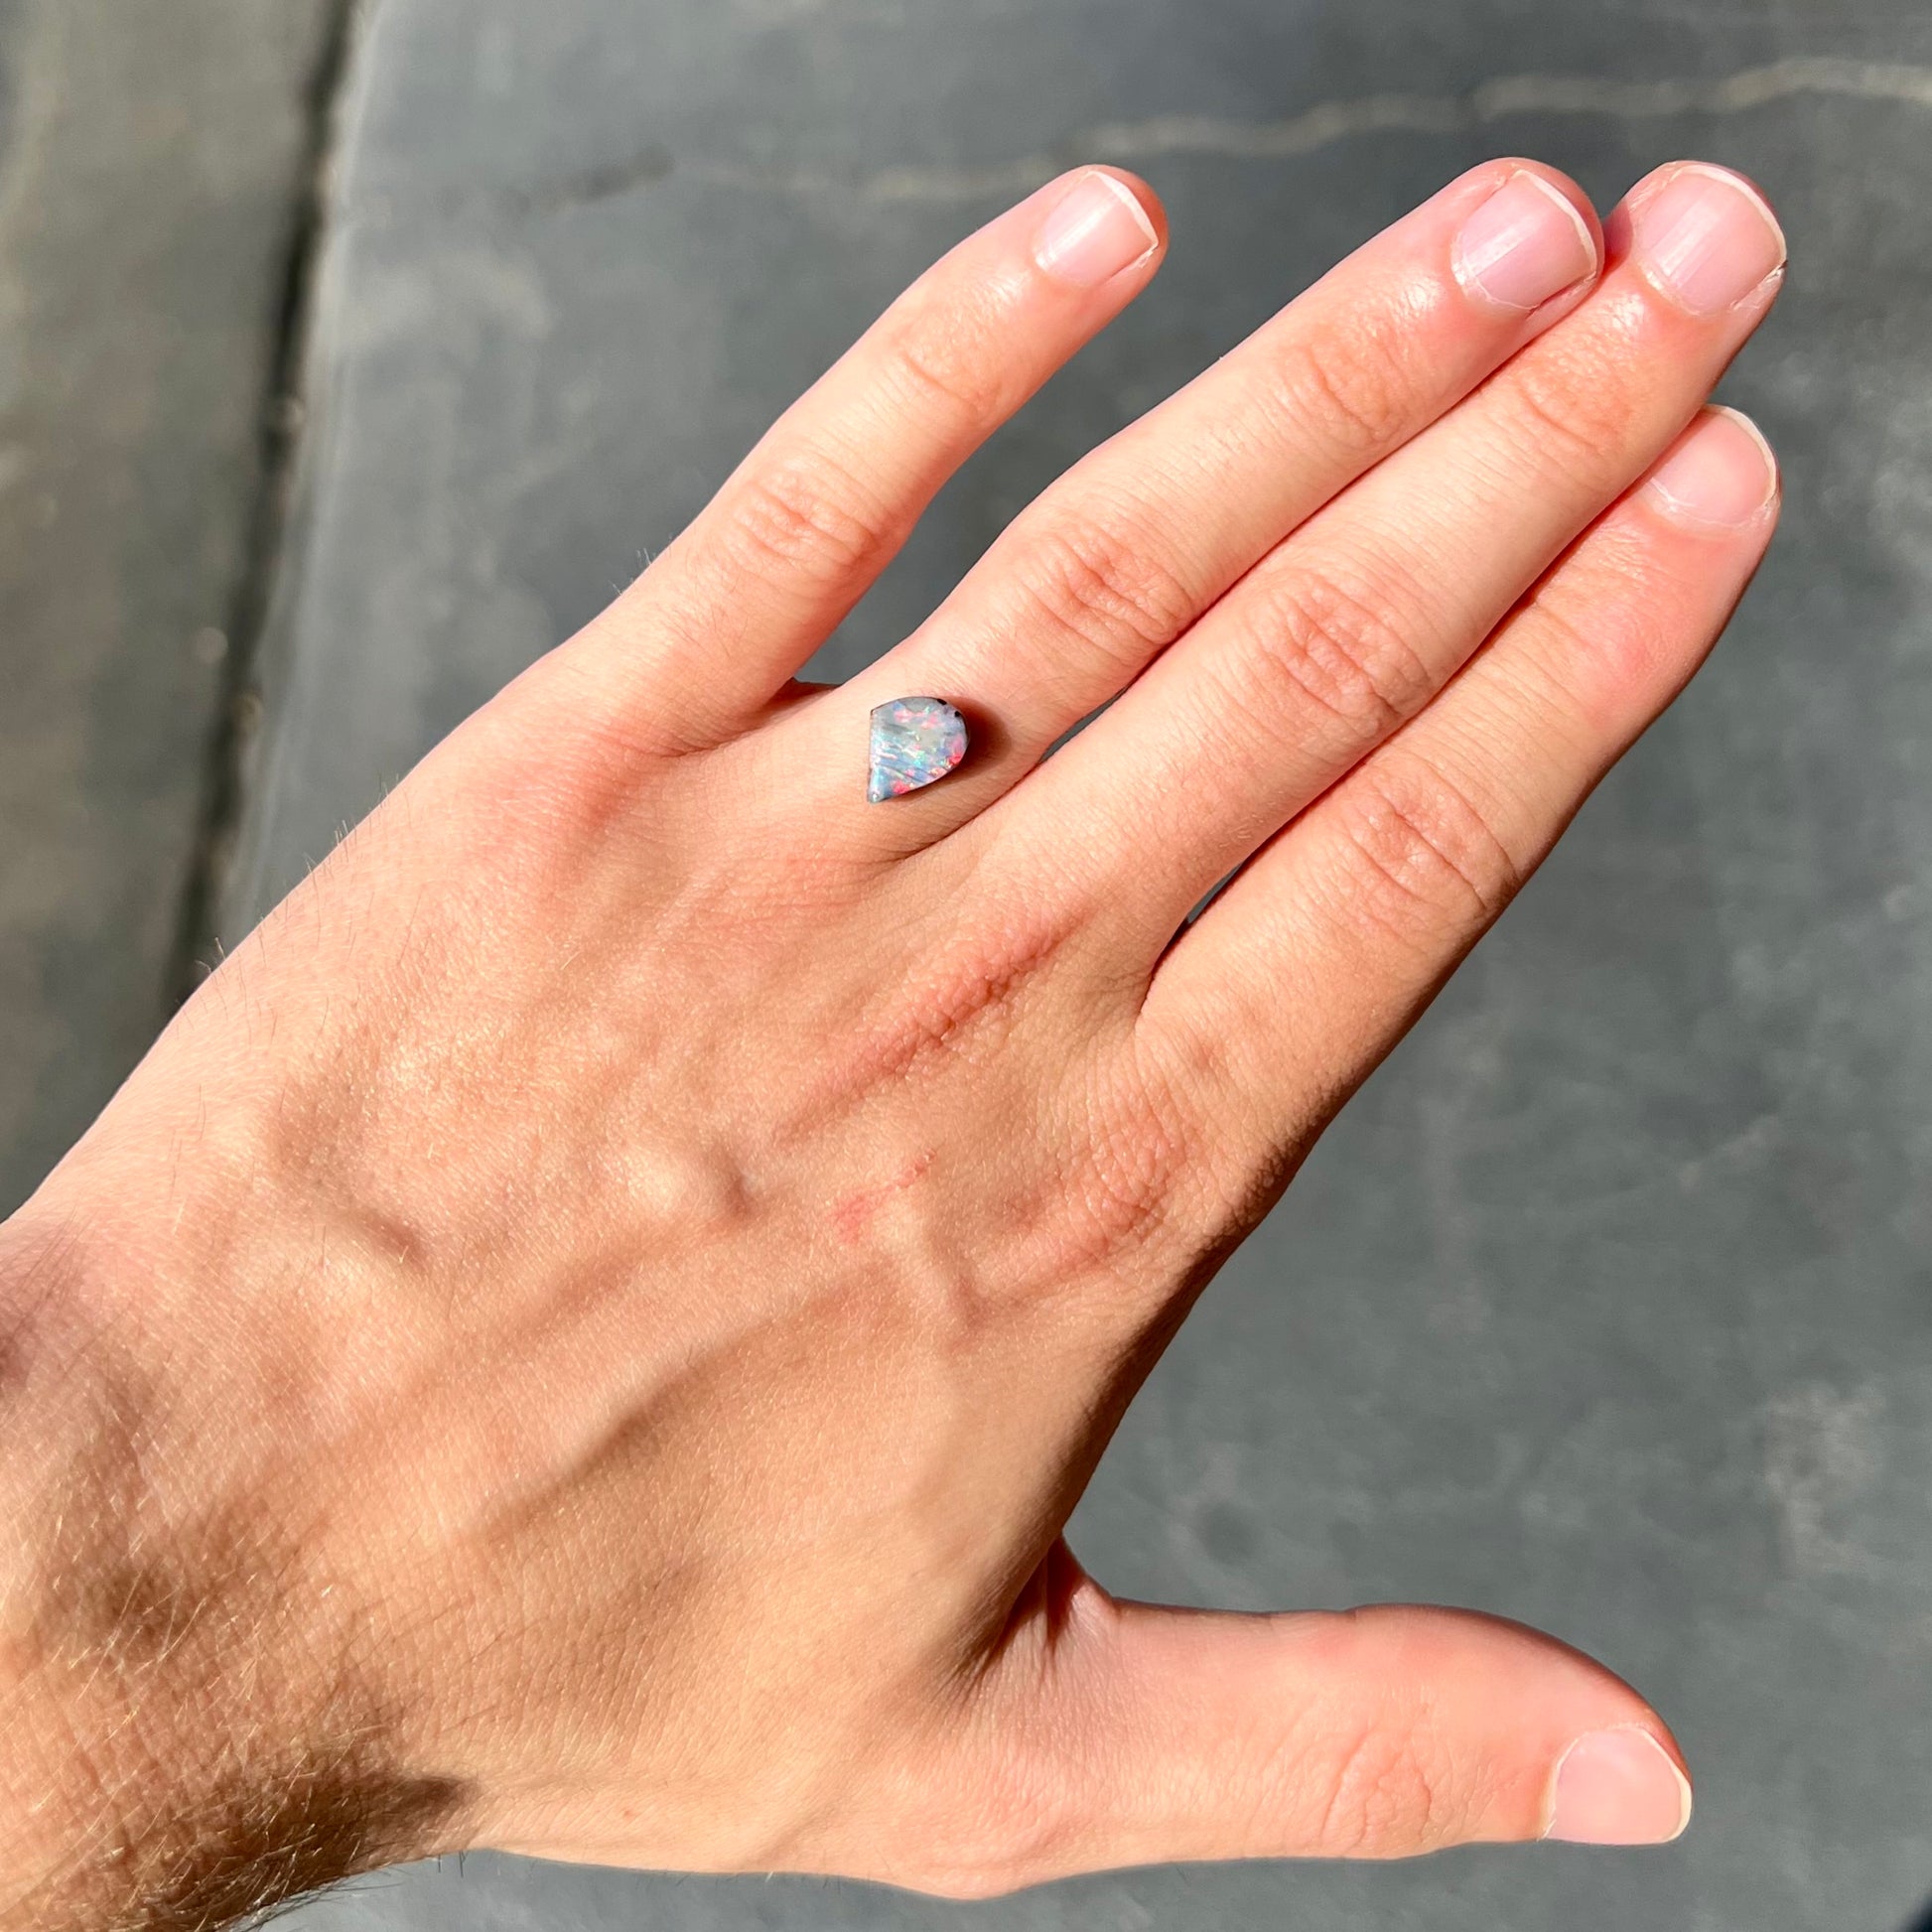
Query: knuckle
{"points": [[1388, 1797], [1353, 386], [948, 359], [1424, 858], [1010, 1817], [1019, 1828], [1017, 1825], [1105, 591], [1156, 1183], [1568, 416], [1239, 1149], [806, 515], [1347, 653], [1607, 624], [1111, 1205], [1135, 1160]]}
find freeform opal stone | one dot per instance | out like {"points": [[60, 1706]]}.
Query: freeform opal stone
{"points": [[913, 742]]}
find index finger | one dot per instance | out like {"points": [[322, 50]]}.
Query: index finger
{"points": [[1132, 545], [807, 521]]}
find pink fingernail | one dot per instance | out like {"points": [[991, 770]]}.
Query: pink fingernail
{"points": [[1094, 231], [1721, 473], [1707, 237], [1619, 1787], [1524, 244]]}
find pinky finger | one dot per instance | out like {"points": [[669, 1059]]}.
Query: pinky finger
{"points": [[1320, 955]]}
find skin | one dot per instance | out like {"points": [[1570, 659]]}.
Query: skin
{"points": [[583, 1335]]}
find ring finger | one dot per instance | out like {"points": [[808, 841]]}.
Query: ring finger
{"points": [[1279, 1000]]}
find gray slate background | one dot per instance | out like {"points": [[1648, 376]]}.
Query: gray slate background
{"points": [[1606, 1304], [151, 171]]}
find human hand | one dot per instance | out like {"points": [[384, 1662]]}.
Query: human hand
{"points": [[583, 1335]]}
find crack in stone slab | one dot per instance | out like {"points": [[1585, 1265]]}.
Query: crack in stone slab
{"points": [[599, 182]]}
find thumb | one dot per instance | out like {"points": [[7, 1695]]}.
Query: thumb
{"points": [[1140, 1735]]}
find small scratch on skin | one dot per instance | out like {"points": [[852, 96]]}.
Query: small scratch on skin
{"points": [[852, 1213]]}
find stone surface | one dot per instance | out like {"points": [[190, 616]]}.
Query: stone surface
{"points": [[1606, 1304], [916, 741], [150, 165]]}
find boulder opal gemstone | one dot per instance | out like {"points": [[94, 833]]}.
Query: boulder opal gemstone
{"points": [[913, 742]]}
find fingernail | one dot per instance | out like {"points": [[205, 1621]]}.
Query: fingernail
{"points": [[1093, 231], [1524, 244], [1721, 472], [1619, 1787], [1709, 237]]}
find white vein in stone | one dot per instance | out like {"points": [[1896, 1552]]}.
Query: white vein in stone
{"points": [[1505, 97]]}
